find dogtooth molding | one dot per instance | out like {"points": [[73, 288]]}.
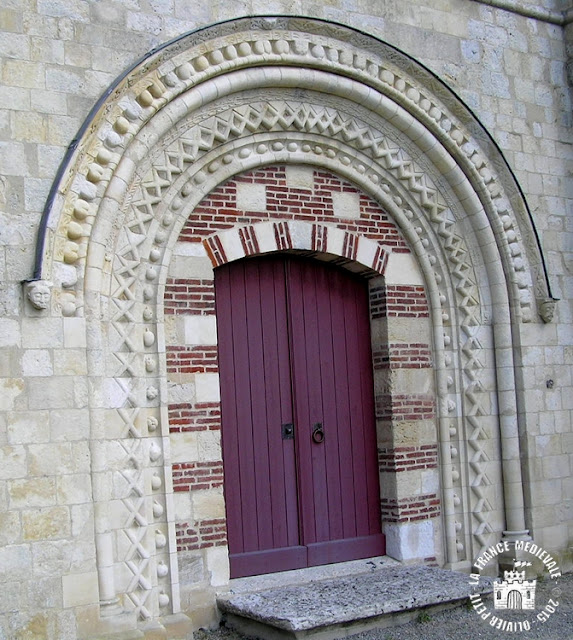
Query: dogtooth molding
{"points": [[228, 99]]}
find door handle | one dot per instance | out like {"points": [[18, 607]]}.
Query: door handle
{"points": [[317, 433]]}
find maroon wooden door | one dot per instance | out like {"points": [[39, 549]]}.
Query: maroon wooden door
{"points": [[299, 442]]}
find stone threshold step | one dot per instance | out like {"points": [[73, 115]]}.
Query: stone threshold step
{"points": [[329, 608]]}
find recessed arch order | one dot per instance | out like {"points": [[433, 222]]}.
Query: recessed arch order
{"points": [[275, 90]]}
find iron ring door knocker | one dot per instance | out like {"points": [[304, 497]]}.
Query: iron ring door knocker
{"points": [[318, 433]]}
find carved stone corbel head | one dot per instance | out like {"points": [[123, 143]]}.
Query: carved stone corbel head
{"points": [[546, 308], [38, 293]]}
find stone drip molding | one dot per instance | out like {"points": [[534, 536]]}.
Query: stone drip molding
{"points": [[302, 43], [193, 115], [560, 18]]}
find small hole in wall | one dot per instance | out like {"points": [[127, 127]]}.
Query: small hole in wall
{"points": [[549, 384]]}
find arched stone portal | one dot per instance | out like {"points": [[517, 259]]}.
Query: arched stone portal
{"points": [[267, 91]]}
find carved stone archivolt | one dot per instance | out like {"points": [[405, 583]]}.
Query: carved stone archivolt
{"points": [[266, 91]]}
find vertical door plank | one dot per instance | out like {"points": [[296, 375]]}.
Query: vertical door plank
{"points": [[339, 303], [368, 411], [302, 384], [328, 287], [229, 434], [243, 401], [258, 466], [283, 517], [356, 415]]}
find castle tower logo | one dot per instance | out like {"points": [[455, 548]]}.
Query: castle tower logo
{"points": [[515, 599], [515, 592]]}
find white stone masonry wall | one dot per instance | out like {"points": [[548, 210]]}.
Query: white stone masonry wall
{"points": [[57, 57]]}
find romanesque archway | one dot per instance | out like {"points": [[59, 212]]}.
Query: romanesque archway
{"points": [[260, 92]]}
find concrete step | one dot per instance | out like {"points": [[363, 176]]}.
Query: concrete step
{"points": [[376, 593]]}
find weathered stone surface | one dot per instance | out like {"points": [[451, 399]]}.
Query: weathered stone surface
{"points": [[83, 400], [342, 600]]}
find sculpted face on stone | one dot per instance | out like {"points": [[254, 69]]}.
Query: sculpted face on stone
{"points": [[38, 293], [547, 309]]}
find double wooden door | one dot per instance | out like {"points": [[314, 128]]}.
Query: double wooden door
{"points": [[298, 430]]}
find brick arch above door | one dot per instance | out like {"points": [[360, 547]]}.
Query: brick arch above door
{"points": [[310, 225]]}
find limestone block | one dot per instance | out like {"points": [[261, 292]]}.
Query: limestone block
{"points": [[179, 393], [30, 127], [184, 446], [46, 523], [13, 462], [45, 593], [217, 561], [80, 589], [35, 193], [209, 445], [83, 521], [65, 79], [32, 492], [183, 266], [251, 197], [232, 245], [14, 45], [9, 333], [200, 330], [403, 268], [10, 389], [15, 561], [410, 541], [546, 492], [266, 237], [74, 333], [207, 387], [12, 596], [37, 362], [430, 481], [74, 489], [406, 433], [408, 483], [415, 381], [556, 466], [182, 506], [69, 424], [53, 102], [301, 235], [70, 362], [553, 537], [208, 504], [10, 528], [51, 393], [51, 459], [42, 333], [26, 427], [346, 204], [52, 558], [299, 176], [548, 445]]}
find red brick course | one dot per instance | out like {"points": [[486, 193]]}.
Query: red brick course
{"points": [[195, 359], [411, 509], [189, 297], [399, 301], [414, 355], [405, 407], [197, 475], [219, 211], [204, 416], [408, 458], [201, 534]]}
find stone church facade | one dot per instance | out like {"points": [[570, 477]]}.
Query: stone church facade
{"points": [[147, 147]]}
